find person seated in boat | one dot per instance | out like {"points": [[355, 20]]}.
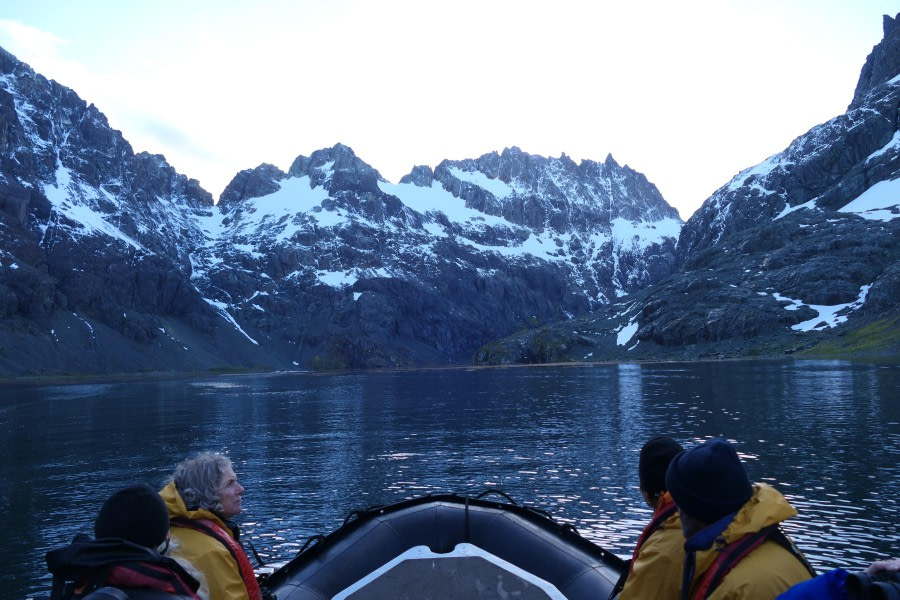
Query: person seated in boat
{"points": [[657, 560], [128, 555], [733, 545], [202, 498]]}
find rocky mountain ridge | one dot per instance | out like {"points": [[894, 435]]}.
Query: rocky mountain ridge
{"points": [[442, 261], [110, 261]]}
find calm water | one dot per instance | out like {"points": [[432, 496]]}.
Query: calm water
{"points": [[311, 448]]}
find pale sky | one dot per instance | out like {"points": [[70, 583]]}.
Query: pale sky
{"points": [[688, 93]]}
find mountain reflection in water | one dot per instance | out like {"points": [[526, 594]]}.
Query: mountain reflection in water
{"points": [[311, 448]]}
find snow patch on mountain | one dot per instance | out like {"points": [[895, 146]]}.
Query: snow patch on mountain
{"points": [[435, 199], [891, 146], [881, 202], [828, 316], [627, 332], [752, 176], [497, 188], [643, 234], [275, 213], [546, 245], [222, 309], [811, 205], [77, 203]]}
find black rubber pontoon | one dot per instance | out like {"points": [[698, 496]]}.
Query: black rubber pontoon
{"points": [[449, 546]]}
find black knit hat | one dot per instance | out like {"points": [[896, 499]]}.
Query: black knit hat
{"points": [[708, 481], [653, 462], [137, 514]]}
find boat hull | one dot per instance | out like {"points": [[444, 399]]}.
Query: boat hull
{"points": [[449, 546]]}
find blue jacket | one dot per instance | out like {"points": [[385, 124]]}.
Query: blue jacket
{"points": [[830, 585]]}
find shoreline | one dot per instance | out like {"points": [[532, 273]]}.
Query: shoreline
{"points": [[62, 379]]}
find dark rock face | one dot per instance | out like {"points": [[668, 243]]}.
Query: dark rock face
{"points": [[882, 64], [831, 165], [112, 261], [252, 183]]}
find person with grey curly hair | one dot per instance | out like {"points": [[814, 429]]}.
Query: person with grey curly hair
{"points": [[198, 481], [202, 498]]}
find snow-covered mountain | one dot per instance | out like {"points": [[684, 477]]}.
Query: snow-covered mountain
{"points": [[332, 264], [112, 261]]}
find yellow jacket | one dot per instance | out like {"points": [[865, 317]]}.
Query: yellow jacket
{"points": [[656, 570], [769, 569], [206, 553]]}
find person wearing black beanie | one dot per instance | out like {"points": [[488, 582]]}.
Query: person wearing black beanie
{"points": [[129, 555], [652, 466], [658, 556], [137, 514], [708, 482], [733, 545]]}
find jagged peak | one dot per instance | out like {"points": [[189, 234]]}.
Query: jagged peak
{"points": [[10, 64], [497, 164], [420, 176], [252, 183], [158, 159], [566, 160], [882, 64], [337, 152], [339, 157], [512, 162]]}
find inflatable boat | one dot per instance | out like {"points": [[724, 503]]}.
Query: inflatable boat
{"points": [[449, 546]]}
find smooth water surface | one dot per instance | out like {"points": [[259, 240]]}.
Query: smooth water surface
{"points": [[311, 448]]}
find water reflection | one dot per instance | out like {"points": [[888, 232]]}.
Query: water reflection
{"points": [[309, 449]]}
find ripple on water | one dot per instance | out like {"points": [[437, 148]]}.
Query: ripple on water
{"points": [[310, 449]]}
